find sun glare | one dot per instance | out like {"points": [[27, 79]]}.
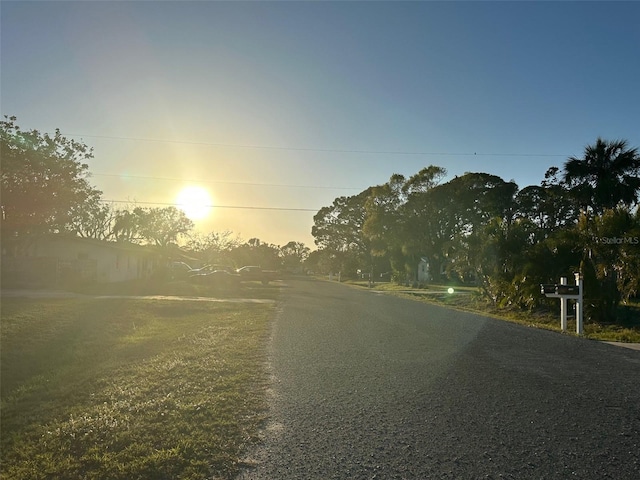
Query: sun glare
{"points": [[195, 202]]}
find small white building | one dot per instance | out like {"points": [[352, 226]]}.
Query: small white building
{"points": [[424, 273], [94, 260]]}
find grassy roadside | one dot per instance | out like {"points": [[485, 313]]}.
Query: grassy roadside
{"points": [[181, 288], [467, 299], [129, 388]]}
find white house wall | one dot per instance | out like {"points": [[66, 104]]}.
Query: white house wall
{"points": [[424, 275], [113, 264]]}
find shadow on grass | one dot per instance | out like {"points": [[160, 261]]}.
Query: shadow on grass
{"points": [[182, 288], [128, 388]]}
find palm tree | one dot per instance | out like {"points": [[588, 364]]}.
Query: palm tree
{"points": [[606, 177]]}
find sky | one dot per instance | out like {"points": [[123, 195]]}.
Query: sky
{"points": [[278, 108]]}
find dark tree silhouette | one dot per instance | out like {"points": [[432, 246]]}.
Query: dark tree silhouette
{"points": [[607, 176], [44, 182]]}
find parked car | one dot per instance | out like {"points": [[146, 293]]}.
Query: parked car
{"points": [[216, 278], [205, 269], [254, 273], [179, 270]]}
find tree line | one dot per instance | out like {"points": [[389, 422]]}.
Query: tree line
{"points": [[476, 228], [480, 229], [46, 189]]}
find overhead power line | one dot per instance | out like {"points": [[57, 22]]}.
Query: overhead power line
{"points": [[247, 207], [173, 179], [312, 149]]}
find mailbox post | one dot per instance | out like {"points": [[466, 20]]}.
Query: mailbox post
{"points": [[567, 292]]}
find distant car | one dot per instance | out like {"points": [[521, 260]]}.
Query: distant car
{"points": [[226, 268], [181, 266], [205, 269], [179, 270], [251, 272], [216, 278]]}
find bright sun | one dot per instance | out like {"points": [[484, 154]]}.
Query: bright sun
{"points": [[194, 201]]}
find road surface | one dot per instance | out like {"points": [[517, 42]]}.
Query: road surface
{"points": [[368, 386]]}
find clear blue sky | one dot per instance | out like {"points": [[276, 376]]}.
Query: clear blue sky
{"points": [[335, 86]]}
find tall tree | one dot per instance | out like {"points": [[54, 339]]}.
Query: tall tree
{"points": [[389, 224], [126, 226], [293, 255], [162, 226], [606, 183], [608, 175], [612, 252], [439, 222], [548, 206], [94, 219], [256, 252], [382, 215], [155, 226], [44, 180], [338, 229], [213, 247], [424, 180]]}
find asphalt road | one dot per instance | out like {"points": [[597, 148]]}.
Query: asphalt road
{"points": [[368, 386]]}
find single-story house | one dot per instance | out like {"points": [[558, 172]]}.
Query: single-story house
{"points": [[84, 259]]}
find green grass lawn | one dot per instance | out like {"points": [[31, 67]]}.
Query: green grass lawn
{"points": [[182, 288], [130, 388], [468, 299]]}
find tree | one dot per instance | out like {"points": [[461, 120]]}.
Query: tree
{"points": [[428, 226], [498, 253], [424, 180], [548, 208], [126, 226], [387, 225], [322, 261], [628, 261], [213, 247], [162, 226], [293, 255], [439, 222], [549, 205], [611, 256], [606, 183], [382, 216], [94, 219], [44, 181], [338, 229], [480, 197], [607, 176], [155, 226], [256, 252]]}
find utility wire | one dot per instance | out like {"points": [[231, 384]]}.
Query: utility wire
{"points": [[220, 182], [269, 147], [309, 149], [249, 207]]}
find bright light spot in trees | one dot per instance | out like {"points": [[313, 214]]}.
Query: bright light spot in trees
{"points": [[195, 202]]}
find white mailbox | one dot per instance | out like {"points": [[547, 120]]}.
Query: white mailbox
{"points": [[566, 292]]}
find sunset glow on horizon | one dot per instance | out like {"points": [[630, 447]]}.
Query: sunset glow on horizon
{"points": [[275, 109]]}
